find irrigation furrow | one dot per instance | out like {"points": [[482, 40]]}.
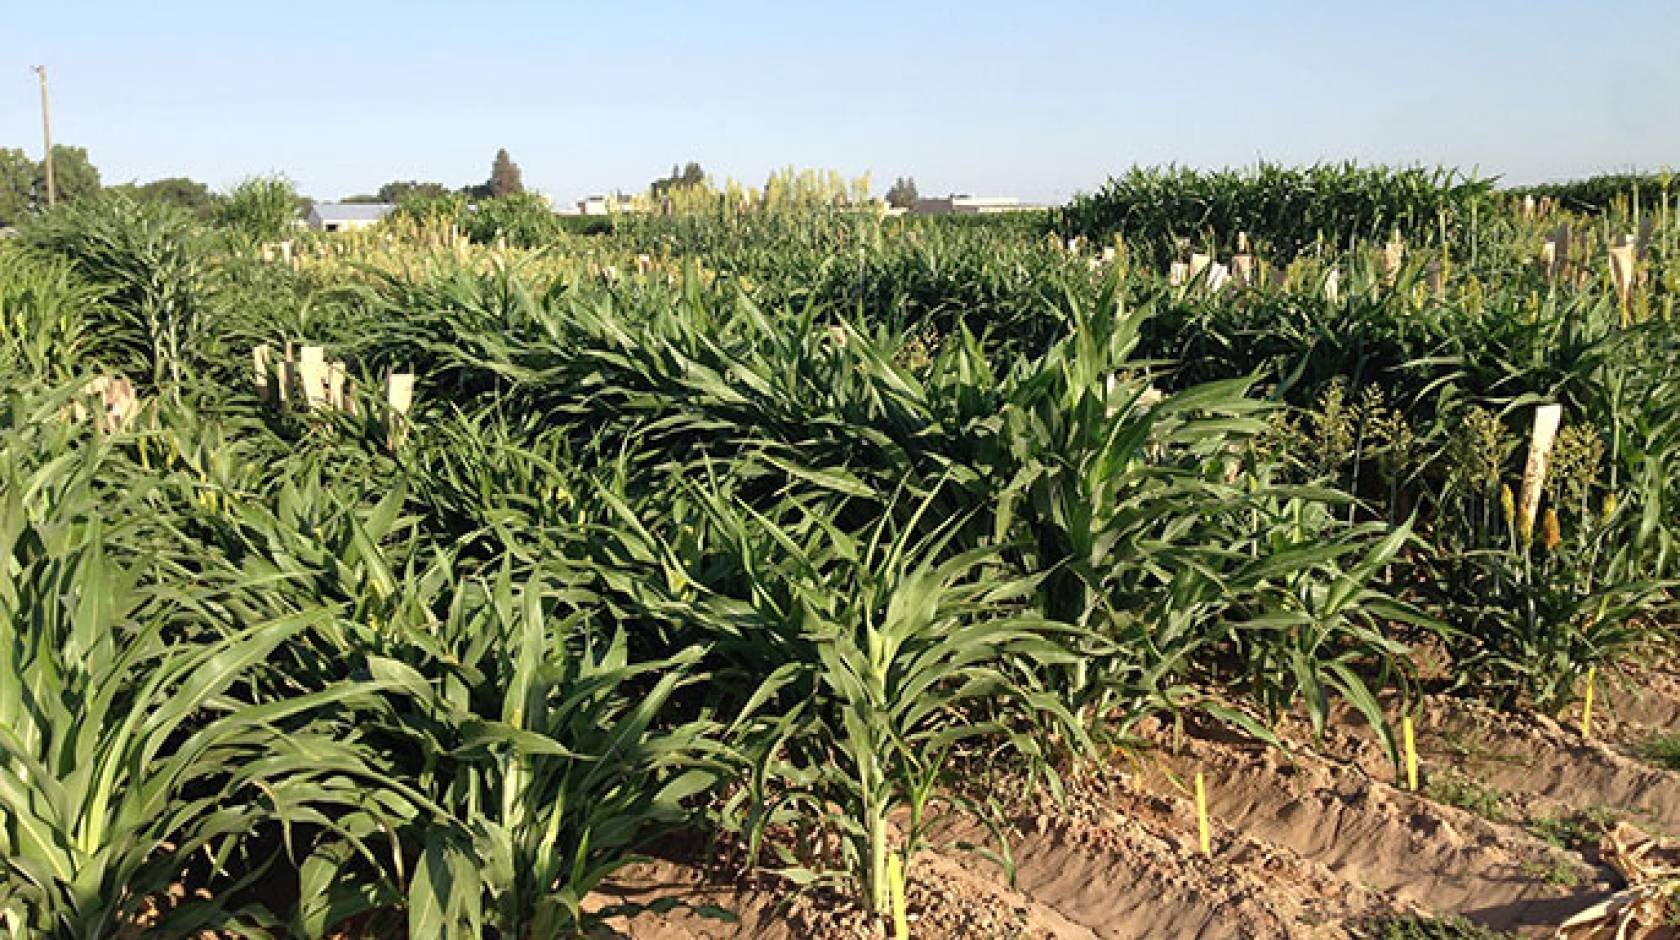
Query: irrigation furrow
{"points": [[1533, 756], [1436, 857]]}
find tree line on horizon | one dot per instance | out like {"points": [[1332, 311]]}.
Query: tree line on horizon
{"points": [[23, 181], [23, 186]]}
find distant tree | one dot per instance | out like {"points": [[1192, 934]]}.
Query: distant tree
{"points": [[903, 194], [398, 190], [262, 207], [361, 199], [74, 175], [504, 177], [17, 185], [23, 182], [689, 177], [188, 194]]}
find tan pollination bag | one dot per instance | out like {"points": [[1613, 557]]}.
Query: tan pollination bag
{"points": [[1623, 262], [1242, 270], [117, 404], [1435, 277], [1393, 259], [1556, 252], [338, 388], [312, 375], [399, 397], [1547, 418], [308, 377], [1218, 275]]}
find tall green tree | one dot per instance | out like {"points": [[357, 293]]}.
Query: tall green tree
{"points": [[690, 176], [179, 191], [17, 185], [504, 177], [398, 190], [903, 193], [23, 181], [74, 175]]}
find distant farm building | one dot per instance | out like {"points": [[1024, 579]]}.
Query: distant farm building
{"points": [[602, 205], [965, 204], [346, 216]]}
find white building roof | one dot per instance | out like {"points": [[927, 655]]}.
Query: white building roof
{"points": [[351, 211]]}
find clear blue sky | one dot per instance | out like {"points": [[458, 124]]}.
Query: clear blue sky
{"points": [[1036, 100]]}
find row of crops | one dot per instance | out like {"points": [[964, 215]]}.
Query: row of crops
{"points": [[795, 533], [1288, 209], [1599, 193]]}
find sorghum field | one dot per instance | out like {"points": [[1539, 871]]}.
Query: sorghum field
{"points": [[1281, 553]]}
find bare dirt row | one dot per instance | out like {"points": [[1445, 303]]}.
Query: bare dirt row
{"points": [[1320, 841]]}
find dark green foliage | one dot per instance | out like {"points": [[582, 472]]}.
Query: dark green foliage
{"points": [[1417, 927], [1600, 193], [1662, 750], [1164, 212], [17, 186], [177, 191], [902, 194], [261, 208], [46, 315], [821, 521], [152, 262], [522, 220], [585, 224], [1385, 388], [689, 177], [1575, 831], [401, 190], [429, 209], [1469, 794], [74, 175], [505, 178], [23, 181]]}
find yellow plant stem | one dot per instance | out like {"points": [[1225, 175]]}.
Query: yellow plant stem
{"points": [[1203, 830], [895, 883], [1587, 703], [1409, 732]]}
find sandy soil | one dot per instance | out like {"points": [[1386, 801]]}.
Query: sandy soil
{"points": [[1307, 844]]}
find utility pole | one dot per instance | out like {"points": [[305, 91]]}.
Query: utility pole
{"points": [[46, 136]]}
